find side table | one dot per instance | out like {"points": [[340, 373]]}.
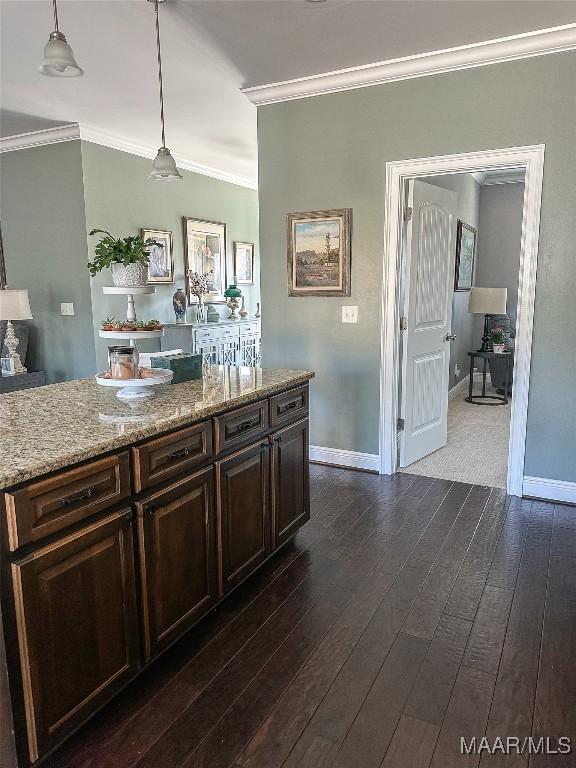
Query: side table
{"points": [[485, 399]]}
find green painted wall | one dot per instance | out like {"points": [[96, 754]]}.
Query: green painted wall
{"points": [[120, 197], [44, 235], [330, 152]]}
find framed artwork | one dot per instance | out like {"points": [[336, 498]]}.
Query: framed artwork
{"points": [[244, 263], [161, 262], [319, 253], [205, 250], [2, 263], [465, 252]]}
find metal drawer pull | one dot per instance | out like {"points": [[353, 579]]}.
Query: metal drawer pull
{"points": [[180, 454], [250, 424], [289, 406], [81, 497]]}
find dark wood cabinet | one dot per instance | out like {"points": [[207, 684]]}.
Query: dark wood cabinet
{"points": [[290, 481], [105, 564], [177, 547], [243, 488], [76, 618]]}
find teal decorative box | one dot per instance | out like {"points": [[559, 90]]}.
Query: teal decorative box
{"points": [[185, 367]]}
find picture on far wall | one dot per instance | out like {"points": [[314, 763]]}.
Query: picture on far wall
{"points": [[465, 252], [319, 253], [244, 263], [161, 259], [205, 250]]}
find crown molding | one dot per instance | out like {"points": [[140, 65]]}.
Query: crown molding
{"points": [[525, 45], [40, 138], [76, 131]]}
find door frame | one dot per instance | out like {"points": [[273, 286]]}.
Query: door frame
{"points": [[531, 160]]}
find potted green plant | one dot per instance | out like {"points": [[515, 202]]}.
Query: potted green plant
{"points": [[127, 257], [498, 340]]}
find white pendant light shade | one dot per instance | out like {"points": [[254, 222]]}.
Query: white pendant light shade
{"points": [[59, 58], [164, 167]]}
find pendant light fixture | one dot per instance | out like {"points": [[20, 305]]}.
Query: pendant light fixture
{"points": [[59, 58], [164, 166]]}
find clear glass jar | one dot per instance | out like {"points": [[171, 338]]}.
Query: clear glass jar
{"points": [[123, 362]]}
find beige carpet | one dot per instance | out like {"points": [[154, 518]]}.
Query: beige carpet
{"points": [[477, 448]]}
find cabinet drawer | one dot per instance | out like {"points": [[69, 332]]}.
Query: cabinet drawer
{"points": [[241, 426], [289, 406], [165, 457], [45, 507], [250, 329], [215, 335]]}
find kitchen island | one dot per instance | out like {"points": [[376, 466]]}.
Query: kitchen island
{"points": [[122, 525]]}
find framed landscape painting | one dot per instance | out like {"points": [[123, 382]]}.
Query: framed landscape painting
{"points": [[319, 253], [244, 263], [465, 252], [205, 250], [161, 260]]}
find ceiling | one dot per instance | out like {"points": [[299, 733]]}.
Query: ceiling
{"points": [[211, 49]]}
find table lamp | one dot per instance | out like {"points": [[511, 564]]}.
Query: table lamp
{"points": [[487, 301], [14, 305]]}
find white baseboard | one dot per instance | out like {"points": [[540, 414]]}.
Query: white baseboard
{"points": [[553, 490], [342, 458], [457, 388]]}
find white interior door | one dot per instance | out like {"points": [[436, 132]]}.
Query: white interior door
{"points": [[428, 287]]}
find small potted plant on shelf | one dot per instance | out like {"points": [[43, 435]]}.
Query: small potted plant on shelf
{"points": [[498, 340], [127, 257], [109, 324]]}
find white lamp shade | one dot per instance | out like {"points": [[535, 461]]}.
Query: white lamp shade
{"points": [[59, 58], [164, 167], [487, 301], [14, 305]]}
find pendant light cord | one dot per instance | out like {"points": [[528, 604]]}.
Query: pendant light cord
{"points": [[55, 16], [159, 72]]}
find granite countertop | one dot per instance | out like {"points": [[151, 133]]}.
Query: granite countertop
{"points": [[58, 425]]}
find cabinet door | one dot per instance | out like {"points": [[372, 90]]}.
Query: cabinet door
{"points": [[177, 540], [77, 629], [243, 512], [290, 481]]}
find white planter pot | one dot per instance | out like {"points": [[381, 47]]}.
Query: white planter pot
{"points": [[498, 348], [129, 275]]}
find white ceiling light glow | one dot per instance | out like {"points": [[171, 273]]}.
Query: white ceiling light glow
{"points": [[164, 166], [59, 58]]}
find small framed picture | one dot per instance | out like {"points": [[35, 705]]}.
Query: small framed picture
{"points": [[319, 253], [161, 260], [244, 263], [465, 252]]}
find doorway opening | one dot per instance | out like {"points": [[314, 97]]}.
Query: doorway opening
{"points": [[424, 293]]}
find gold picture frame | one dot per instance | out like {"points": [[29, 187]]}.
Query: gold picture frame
{"points": [[205, 249], [319, 253], [243, 263]]}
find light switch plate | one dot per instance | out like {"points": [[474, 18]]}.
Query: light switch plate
{"points": [[67, 308], [349, 314]]}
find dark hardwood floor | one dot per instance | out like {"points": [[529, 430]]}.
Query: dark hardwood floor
{"points": [[408, 613]]}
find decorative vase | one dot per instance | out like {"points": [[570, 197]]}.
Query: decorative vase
{"points": [[257, 310], [200, 311], [498, 349], [179, 303], [243, 311], [129, 275]]}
